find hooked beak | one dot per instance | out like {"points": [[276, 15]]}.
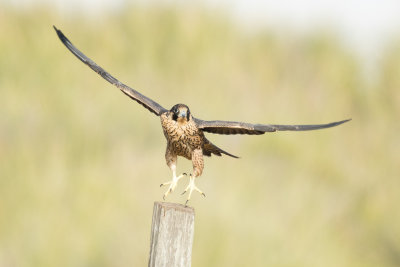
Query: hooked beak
{"points": [[182, 114]]}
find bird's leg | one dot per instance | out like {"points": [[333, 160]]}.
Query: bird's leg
{"points": [[198, 166], [173, 183], [192, 187]]}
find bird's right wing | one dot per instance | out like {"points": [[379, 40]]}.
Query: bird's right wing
{"points": [[135, 95], [233, 127]]}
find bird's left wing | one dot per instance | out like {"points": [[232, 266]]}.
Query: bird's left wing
{"points": [[135, 95], [233, 127]]}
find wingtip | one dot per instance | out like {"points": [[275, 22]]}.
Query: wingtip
{"points": [[333, 124], [59, 33], [57, 30]]}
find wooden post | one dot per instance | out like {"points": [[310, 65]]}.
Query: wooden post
{"points": [[172, 233]]}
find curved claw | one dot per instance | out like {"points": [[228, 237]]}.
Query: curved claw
{"points": [[192, 187], [172, 184]]}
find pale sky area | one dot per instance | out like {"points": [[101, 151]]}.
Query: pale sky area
{"points": [[366, 26]]}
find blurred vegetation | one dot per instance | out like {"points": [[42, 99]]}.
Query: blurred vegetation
{"points": [[80, 163]]}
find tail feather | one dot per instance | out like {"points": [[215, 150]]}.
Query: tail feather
{"points": [[209, 149]]}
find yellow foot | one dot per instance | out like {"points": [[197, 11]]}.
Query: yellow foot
{"points": [[192, 187], [172, 184]]}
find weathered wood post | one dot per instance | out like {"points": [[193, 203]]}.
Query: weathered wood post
{"points": [[172, 233]]}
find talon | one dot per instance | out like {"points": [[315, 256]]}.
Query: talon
{"points": [[166, 183], [192, 187], [172, 184]]}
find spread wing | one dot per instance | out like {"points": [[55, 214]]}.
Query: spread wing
{"points": [[135, 95], [233, 127]]}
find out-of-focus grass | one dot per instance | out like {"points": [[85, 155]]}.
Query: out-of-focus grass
{"points": [[80, 163]]}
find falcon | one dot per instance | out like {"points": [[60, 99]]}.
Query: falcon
{"points": [[185, 133]]}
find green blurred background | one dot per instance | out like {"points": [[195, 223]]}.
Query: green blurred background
{"points": [[81, 164]]}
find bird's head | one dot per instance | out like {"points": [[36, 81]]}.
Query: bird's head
{"points": [[180, 113]]}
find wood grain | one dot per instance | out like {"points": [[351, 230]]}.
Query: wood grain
{"points": [[172, 232]]}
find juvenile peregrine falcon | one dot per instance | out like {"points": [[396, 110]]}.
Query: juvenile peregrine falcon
{"points": [[185, 133]]}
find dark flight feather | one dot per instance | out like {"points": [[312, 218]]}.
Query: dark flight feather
{"points": [[209, 149], [233, 127], [135, 95]]}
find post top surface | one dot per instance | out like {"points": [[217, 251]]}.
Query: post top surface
{"points": [[176, 206]]}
